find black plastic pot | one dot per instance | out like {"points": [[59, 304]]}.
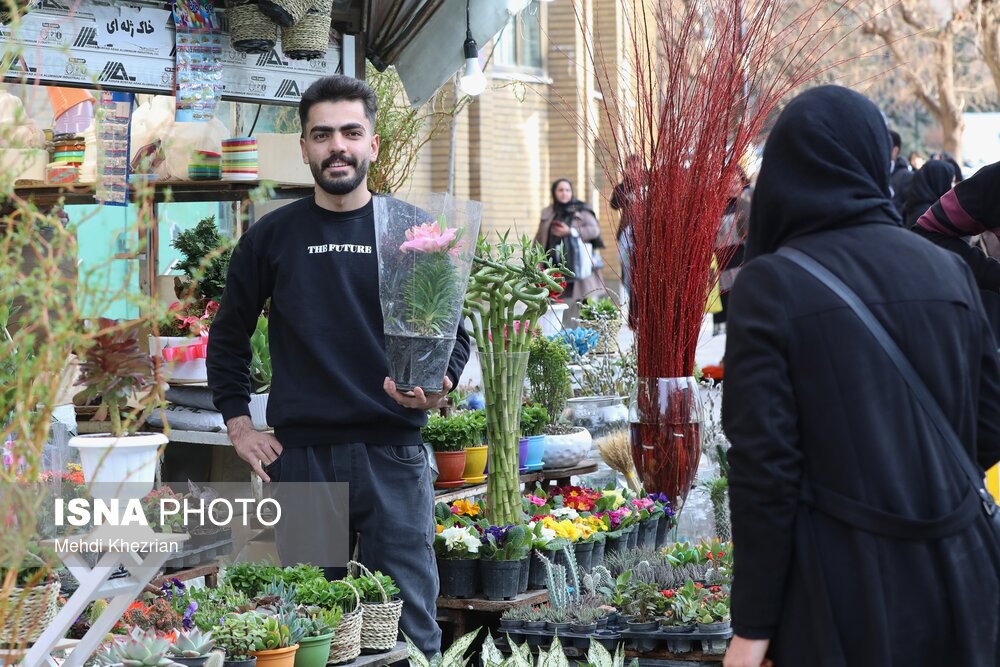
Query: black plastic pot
{"points": [[507, 624], [459, 577], [679, 629], [587, 629], [633, 536], [678, 646], [714, 627], [615, 545], [597, 557], [525, 572], [538, 575], [500, 578], [191, 662], [662, 529], [643, 626], [557, 627], [240, 663], [418, 361], [584, 552], [602, 623], [647, 532], [608, 640], [534, 625]]}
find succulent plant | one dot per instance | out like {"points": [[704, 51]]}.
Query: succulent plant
{"points": [[277, 593], [279, 631], [239, 634], [316, 622], [192, 644], [141, 649]]}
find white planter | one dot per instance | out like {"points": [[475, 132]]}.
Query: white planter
{"points": [[258, 411], [565, 451], [551, 322], [127, 460], [178, 371]]}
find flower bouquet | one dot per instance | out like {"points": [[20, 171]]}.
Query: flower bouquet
{"points": [[424, 256]]}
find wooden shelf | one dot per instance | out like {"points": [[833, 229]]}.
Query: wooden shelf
{"points": [[560, 475], [48, 194]]}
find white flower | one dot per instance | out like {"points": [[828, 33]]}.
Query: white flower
{"points": [[456, 536], [567, 512], [548, 534]]}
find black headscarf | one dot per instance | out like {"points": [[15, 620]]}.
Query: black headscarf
{"points": [[564, 212], [826, 166], [929, 183]]}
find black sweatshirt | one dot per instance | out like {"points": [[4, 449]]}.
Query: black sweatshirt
{"points": [[320, 269]]}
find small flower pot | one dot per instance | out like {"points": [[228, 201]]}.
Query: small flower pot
{"points": [[240, 663], [508, 624], [557, 627], [450, 466], [588, 629], [584, 552], [500, 578], [536, 450], [614, 545], [524, 574], [522, 455], [534, 625], [643, 626], [721, 626], [191, 662], [597, 557], [679, 629], [602, 623], [633, 537], [475, 463], [278, 657], [459, 577], [537, 575], [662, 530], [609, 640], [313, 651], [647, 532], [679, 646]]}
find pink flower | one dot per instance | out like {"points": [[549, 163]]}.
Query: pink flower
{"points": [[536, 501], [428, 238]]}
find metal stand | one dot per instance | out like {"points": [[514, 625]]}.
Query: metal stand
{"points": [[95, 583]]}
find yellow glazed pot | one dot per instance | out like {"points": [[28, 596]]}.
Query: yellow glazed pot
{"points": [[475, 463]]}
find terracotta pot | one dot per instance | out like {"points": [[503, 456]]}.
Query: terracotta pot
{"points": [[450, 466], [475, 463], [279, 657]]}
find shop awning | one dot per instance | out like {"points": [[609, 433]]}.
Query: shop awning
{"points": [[424, 38]]}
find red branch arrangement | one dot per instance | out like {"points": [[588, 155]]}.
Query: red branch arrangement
{"points": [[707, 76]]}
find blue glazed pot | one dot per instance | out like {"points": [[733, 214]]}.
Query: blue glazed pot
{"points": [[536, 450]]}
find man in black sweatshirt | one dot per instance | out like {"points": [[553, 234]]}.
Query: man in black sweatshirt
{"points": [[336, 416]]}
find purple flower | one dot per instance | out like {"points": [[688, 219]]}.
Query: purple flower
{"points": [[187, 621], [498, 533]]}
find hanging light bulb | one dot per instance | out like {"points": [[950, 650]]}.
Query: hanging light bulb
{"points": [[473, 81]]}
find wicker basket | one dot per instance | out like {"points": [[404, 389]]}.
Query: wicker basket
{"points": [[29, 612], [286, 13], [309, 39], [380, 629], [346, 643], [250, 30]]}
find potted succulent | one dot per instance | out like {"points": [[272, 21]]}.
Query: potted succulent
{"points": [[318, 626], [534, 419], [557, 619], [475, 447], [238, 636], [260, 374], [424, 257], [141, 647], [447, 436], [112, 370], [714, 615], [457, 549], [583, 619], [279, 641], [513, 618], [192, 648], [503, 548]]}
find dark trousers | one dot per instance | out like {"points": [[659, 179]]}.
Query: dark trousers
{"points": [[392, 510]]}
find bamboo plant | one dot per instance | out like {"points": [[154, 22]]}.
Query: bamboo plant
{"points": [[503, 278]]}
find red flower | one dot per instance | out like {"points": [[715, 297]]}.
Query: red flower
{"points": [[721, 554], [667, 593], [715, 589], [698, 585], [709, 555]]}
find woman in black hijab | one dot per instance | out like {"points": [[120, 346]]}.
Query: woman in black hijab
{"points": [[565, 220], [820, 420], [932, 180]]}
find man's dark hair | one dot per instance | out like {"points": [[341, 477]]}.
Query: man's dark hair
{"points": [[897, 141], [338, 88]]}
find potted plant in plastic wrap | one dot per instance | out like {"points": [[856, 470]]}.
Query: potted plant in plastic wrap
{"points": [[424, 257], [114, 370], [260, 374]]}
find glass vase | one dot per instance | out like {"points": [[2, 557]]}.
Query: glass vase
{"points": [[665, 422], [503, 384]]}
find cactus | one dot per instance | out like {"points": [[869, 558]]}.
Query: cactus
{"points": [[602, 578], [141, 649], [192, 644], [570, 553]]}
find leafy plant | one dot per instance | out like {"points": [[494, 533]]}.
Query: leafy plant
{"points": [[260, 363], [143, 648], [432, 288], [369, 590], [113, 369], [549, 376], [250, 578], [239, 634], [316, 622], [206, 255], [600, 309], [642, 602], [214, 603], [505, 543], [327, 595], [192, 644], [451, 434], [534, 418], [280, 631]]}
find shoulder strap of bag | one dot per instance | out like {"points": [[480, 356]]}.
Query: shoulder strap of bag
{"points": [[902, 364]]}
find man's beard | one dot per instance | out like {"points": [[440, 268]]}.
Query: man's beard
{"points": [[344, 185]]}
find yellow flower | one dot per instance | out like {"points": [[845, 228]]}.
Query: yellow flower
{"points": [[465, 508], [565, 528], [619, 499], [440, 528]]}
